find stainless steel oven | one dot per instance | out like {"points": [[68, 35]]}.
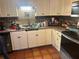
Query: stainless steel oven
{"points": [[71, 48]]}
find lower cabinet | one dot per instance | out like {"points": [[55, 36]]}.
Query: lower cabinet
{"points": [[23, 40], [36, 38], [48, 36], [56, 39], [19, 40]]}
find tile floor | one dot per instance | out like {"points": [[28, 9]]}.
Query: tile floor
{"points": [[46, 52]]}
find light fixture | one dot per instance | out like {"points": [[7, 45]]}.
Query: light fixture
{"points": [[74, 4], [26, 8], [74, 15]]}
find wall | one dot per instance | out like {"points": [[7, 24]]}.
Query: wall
{"points": [[26, 21]]}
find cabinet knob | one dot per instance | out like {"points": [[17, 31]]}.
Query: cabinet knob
{"points": [[58, 13], [19, 37], [36, 34], [8, 14], [42, 13], [59, 35]]}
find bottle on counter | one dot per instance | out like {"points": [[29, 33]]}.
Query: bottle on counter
{"points": [[78, 24]]}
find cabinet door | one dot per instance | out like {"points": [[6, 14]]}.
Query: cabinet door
{"points": [[33, 39], [74, 0], [48, 36], [56, 39], [41, 37], [0, 12], [66, 7], [15, 41], [55, 7], [19, 40], [42, 7], [36, 38], [23, 40], [8, 8]]}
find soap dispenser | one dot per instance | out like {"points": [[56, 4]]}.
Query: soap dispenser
{"points": [[78, 24]]}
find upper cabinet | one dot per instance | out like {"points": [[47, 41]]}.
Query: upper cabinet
{"points": [[66, 7], [8, 8], [0, 12], [75, 0], [62, 7], [53, 7], [42, 7]]}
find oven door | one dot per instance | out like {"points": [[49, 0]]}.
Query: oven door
{"points": [[70, 47]]}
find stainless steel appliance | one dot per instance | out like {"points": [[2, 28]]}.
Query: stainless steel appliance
{"points": [[7, 40], [75, 9], [71, 48]]}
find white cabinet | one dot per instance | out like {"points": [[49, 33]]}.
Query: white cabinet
{"points": [[36, 38], [75, 0], [62, 7], [22, 40], [0, 12], [32, 38], [19, 40], [56, 39], [42, 7], [48, 36], [8, 8], [66, 7], [55, 7]]}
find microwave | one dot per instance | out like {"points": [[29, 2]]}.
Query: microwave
{"points": [[75, 9]]}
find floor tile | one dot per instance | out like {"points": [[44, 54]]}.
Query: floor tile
{"points": [[47, 57], [46, 52], [38, 57]]}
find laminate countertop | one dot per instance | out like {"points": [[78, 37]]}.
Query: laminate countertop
{"points": [[58, 28]]}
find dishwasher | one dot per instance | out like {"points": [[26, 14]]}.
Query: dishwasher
{"points": [[7, 41]]}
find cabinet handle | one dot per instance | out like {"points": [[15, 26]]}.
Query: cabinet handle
{"points": [[8, 14], [57, 39], [42, 13], [59, 35], [36, 34], [19, 37]]}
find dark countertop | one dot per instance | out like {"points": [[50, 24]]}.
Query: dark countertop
{"points": [[58, 28], [5, 31]]}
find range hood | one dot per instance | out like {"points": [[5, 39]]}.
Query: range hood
{"points": [[75, 9]]}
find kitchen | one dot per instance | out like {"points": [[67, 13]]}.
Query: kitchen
{"points": [[37, 29]]}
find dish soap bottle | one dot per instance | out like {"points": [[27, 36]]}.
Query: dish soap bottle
{"points": [[78, 24]]}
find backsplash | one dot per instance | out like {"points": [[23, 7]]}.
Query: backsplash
{"points": [[61, 19], [7, 20]]}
